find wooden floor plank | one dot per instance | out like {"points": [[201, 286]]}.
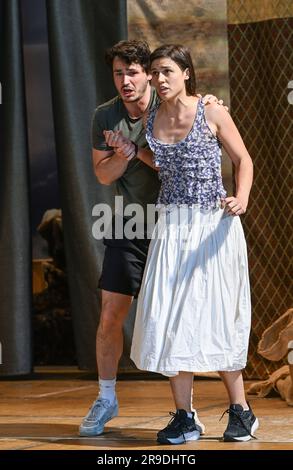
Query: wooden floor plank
{"points": [[44, 414]]}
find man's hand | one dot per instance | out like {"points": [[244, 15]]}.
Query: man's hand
{"points": [[208, 99]]}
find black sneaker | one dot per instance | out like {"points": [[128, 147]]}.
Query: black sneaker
{"points": [[180, 429], [242, 424]]}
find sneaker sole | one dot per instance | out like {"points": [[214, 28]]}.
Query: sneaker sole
{"points": [[199, 423], [201, 426], [85, 431], [191, 436], [255, 426]]}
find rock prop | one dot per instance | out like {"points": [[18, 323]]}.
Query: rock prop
{"points": [[276, 343]]}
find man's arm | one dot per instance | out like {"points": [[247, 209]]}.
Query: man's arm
{"points": [[108, 166]]}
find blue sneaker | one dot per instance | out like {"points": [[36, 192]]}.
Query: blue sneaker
{"points": [[99, 414]]}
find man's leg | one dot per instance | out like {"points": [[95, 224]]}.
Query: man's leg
{"points": [[109, 344]]}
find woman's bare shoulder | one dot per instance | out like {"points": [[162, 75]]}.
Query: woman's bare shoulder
{"points": [[215, 112]]}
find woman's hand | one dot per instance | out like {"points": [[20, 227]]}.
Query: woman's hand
{"points": [[126, 151], [234, 205], [122, 146], [114, 138]]}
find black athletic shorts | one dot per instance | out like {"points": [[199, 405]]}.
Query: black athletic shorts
{"points": [[123, 265]]}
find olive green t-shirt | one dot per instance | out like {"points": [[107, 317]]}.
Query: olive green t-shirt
{"points": [[139, 184]]}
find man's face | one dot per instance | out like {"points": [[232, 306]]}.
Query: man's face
{"points": [[131, 81]]}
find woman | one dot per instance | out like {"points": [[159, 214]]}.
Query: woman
{"points": [[194, 310]]}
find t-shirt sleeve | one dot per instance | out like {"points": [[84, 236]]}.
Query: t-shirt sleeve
{"points": [[99, 124]]}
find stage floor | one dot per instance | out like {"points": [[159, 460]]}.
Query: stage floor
{"points": [[44, 414]]}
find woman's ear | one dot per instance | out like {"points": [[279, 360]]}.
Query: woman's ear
{"points": [[186, 71]]}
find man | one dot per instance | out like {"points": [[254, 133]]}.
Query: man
{"points": [[124, 259]]}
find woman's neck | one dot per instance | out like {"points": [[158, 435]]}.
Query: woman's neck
{"points": [[179, 104]]}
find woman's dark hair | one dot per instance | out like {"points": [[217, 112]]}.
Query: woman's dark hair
{"points": [[137, 52], [182, 57]]}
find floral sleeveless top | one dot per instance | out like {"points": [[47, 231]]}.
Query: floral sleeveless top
{"points": [[189, 170]]}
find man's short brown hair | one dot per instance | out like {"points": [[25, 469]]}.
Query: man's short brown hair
{"points": [[137, 52]]}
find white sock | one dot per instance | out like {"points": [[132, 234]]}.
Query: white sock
{"points": [[107, 389]]}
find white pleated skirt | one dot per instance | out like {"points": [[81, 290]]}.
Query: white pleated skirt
{"points": [[194, 308]]}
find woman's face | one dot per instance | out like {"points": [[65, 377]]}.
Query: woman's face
{"points": [[168, 78]]}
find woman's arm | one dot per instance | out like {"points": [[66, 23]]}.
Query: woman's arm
{"points": [[227, 132], [146, 156]]}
